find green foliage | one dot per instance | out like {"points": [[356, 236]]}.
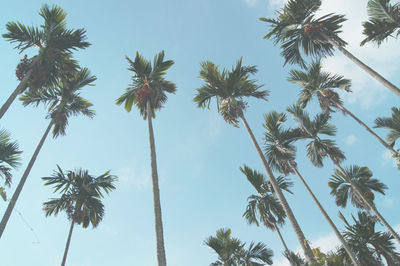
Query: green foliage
{"points": [[298, 31], [228, 88], [384, 21], [9, 157], [368, 245], [55, 43], [231, 251], [342, 186], [315, 82], [150, 77], [64, 100], [81, 195], [264, 207]]}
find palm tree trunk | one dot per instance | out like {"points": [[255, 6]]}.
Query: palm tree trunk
{"points": [[68, 242], [333, 226], [156, 193], [366, 68], [280, 236], [369, 204], [20, 88], [21, 183], [299, 233], [387, 146]]}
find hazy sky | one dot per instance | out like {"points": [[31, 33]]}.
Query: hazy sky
{"points": [[199, 155]]}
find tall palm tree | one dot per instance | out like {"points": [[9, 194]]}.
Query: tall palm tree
{"points": [[55, 44], [319, 148], [281, 154], [315, 82], [264, 207], [353, 182], [148, 92], [81, 195], [384, 21], [9, 159], [369, 244], [231, 251], [229, 88], [63, 102], [299, 32]]}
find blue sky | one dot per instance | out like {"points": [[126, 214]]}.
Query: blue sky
{"points": [[199, 155]]}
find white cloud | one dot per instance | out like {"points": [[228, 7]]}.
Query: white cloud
{"points": [[351, 139], [276, 4], [387, 158], [251, 3], [132, 175], [388, 202]]}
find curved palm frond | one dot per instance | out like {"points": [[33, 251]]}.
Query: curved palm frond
{"points": [[384, 21], [9, 156], [392, 124]]}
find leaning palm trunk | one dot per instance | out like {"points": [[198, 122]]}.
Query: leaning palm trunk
{"points": [[68, 242], [333, 226], [299, 233], [280, 236], [384, 143], [366, 68], [20, 88], [156, 193], [369, 204], [21, 183]]}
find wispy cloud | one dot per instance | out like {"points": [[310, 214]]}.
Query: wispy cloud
{"points": [[251, 3], [132, 175], [351, 139]]}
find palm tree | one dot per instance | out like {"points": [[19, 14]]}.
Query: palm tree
{"points": [[356, 184], [318, 149], [55, 43], [281, 155], [81, 195], [231, 251], [369, 244], [9, 159], [384, 21], [316, 82], [63, 102], [298, 32], [229, 88], [264, 207], [148, 92]]}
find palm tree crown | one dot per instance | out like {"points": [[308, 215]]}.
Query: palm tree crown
{"points": [[298, 31], [391, 123], [81, 194], [264, 207], [384, 21], [55, 43], [342, 184], [229, 88], [148, 84], [64, 100], [316, 82]]}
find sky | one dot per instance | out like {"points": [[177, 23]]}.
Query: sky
{"points": [[198, 154]]}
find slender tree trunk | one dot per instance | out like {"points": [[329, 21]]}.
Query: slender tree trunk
{"points": [[21, 183], [387, 146], [20, 88], [333, 226], [280, 236], [299, 233], [369, 204], [366, 68], [68, 242], [156, 193]]}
